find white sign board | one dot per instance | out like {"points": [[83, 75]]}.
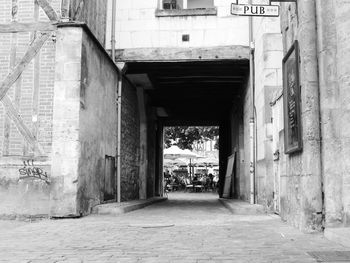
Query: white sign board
{"points": [[255, 10]]}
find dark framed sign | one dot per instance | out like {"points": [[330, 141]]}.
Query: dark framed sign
{"points": [[291, 100]]}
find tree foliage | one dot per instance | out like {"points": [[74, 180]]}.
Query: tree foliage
{"points": [[185, 136]]}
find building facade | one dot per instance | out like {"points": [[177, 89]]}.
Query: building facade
{"points": [[64, 102]]}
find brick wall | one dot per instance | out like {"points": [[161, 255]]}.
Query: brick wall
{"points": [[32, 96], [97, 125]]}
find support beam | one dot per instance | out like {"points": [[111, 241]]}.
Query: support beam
{"points": [[14, 114], [183, 54], [65, 9], [49, 11], [16, 27], [33, 49]]}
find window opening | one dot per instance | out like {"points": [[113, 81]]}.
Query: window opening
{"points": [[187, 4]]}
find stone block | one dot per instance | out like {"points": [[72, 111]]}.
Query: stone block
{"points": [[270, 77], [168, 39], [141, 39], [134, 14], [124, 40], [71, 71], [137, 4], [122, 14], [331, 123], [273, 42], [147, 13], [344, 120], [273, 59], [68, 44], [124, 5], [196, 38]]}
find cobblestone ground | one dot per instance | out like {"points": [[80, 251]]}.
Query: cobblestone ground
{"points": [[191, 227]]}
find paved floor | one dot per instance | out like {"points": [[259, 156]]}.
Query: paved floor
{"points": [[192, 227]]}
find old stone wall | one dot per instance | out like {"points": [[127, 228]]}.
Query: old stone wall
{"points": [[130, 144], [97, 124], [333, 27], [342, 9], [301, 186]]}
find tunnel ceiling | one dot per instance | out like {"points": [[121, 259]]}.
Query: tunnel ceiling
{"points": [[192, 91]]}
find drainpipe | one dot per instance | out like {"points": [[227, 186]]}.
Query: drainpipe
{"points": [[121, 67], [119, 104], [252, 119], [113, 29]]}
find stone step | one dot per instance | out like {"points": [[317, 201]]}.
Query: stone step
{"points": [[124, 207], [240, 207]]}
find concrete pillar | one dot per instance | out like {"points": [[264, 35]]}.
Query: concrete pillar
{"points": [[310, 192], [330, 109], [342, 9], [159, 159], [143, 144], [65, 130], [301, 187]]}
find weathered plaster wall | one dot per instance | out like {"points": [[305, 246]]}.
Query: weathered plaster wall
{"points": [[301, 186], [130, 145], [97, 123], [93, 13], [22, 196], [65, 144], [138, 27]]}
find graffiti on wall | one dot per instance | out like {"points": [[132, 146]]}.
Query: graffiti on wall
{"points": [[29, 170]]}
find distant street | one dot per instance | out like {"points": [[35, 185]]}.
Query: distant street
{"points": [[189, 227]]}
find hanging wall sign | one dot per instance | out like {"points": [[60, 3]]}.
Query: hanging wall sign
{"points": [[291, 101], [255, 10]]}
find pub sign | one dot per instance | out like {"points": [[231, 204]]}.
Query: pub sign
{"points": [[291, 101]]}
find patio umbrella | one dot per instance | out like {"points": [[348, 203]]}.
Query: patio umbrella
{"points": [[207, 161], [175, 152], [174, 162]]}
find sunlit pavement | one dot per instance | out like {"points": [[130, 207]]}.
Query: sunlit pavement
{"points": [[189, 227]]}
